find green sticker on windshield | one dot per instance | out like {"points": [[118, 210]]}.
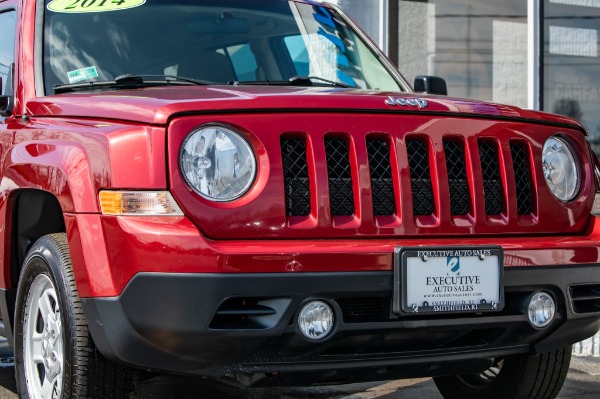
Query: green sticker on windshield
{"points": [[86, 6], [82, 74]]}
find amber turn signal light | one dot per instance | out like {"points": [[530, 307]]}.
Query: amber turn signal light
{"points": [[139, 203]]}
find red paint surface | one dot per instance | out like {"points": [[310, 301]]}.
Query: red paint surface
{"points": [[174, 245]]}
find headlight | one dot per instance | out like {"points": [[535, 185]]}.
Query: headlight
{"points": [[560, 169], [218, 163]]}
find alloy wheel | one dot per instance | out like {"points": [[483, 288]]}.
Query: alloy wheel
{"points": [[43, 341]]}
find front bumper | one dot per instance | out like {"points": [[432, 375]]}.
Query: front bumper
{"points": [[216, 325]]}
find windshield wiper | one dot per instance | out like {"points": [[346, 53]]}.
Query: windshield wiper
{"points": [[130, 81], [294, 81], [167, 78], [308, 81]]}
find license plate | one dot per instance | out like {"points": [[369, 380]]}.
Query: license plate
{"points": [[448, 280]]}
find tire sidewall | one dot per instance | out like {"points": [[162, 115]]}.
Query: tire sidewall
{"points": [[43, 258], [505, 385], [521, 377]]}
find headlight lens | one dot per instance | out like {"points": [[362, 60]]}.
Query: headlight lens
{"points": [[218, 163], [560, 169]]}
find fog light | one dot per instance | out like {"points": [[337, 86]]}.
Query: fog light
{"points": [[541, 309], [316, 320]]}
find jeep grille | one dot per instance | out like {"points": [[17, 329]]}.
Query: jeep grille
{"points": [[342, 180]]}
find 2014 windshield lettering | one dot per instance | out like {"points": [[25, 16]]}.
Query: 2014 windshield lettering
{"points": [[89, 3], [89, 6]]}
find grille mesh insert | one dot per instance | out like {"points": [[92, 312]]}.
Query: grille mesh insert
{"points": [[295, 173], [382, 185], [492, 186], [341, 195], [381, 161], [522, 170], [420, 177], [460, 198]]}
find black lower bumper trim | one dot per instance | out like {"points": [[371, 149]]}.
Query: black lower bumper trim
{"points": [[220, 325]]}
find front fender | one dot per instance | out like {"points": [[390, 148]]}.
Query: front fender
{"points": [[72, 161], [61, 169], [75, 161]]}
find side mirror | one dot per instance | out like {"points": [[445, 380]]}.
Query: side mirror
{"points": [[431, 85], [7, 99]]}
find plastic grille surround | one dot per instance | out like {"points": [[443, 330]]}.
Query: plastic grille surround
{"points": [[420, 177], [522, 168], [341, 194], [296, 177], [490, 170], [460, 197], [382, 185]]}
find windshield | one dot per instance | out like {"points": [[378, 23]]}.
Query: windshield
{"points": [[221, 41]]}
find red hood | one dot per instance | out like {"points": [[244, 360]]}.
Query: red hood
{"points": [[156, 105]]}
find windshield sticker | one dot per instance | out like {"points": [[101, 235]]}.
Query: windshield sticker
{"points": [[82, 74], [89, 6]]}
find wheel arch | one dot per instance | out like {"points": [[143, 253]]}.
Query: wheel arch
{"points": [[33, 214]]}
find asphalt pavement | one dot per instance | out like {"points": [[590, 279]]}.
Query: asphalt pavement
{"points": [[583, 382]]}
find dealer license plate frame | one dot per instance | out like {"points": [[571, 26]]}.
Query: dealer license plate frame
{"points": [[401, 305]]}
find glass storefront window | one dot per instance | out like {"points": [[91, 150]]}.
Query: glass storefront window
{"points": [[479, 47], [571, 79]]}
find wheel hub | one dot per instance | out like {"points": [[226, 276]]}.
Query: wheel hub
{"points": [[51, 347]]}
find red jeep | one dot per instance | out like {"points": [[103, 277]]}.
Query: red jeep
{"points": [[248, 190]]}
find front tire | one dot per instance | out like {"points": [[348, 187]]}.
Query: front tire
{"points": [[55, 356], [521, 377]]}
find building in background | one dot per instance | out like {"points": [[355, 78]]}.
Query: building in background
{"points": [[538, 54]]}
